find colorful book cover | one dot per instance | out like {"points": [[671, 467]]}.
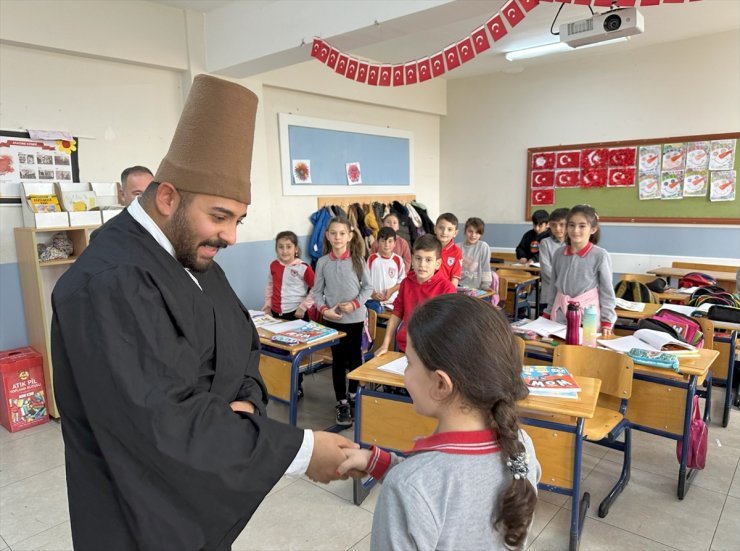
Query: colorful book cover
{"points": [[722, 185], [697, 155], [671, 184], [546, 380], [649, 185], [695, 183], [309, 332], [674, 156], [722, 154]]}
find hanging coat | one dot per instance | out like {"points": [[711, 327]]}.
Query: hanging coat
{"points": [[145, 365], [421, 210], [320, 220]]}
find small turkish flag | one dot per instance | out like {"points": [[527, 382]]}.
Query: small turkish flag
{"points": [[333, 55], [513, 13], [385, 75], [582, 2], [320, 50], [438, 64], [543, 197], [673, 1], [465, 47], [603, 3], [596, 177], [362, 72], [398, 75], [496, 27], [594, 158], [541, 161], [452, 58], [622, 156], [480, 40], [649, 2], [543, 178], [342, 64], [529, 5], [425, 69], [621, 177], [567, 178], [352, 69], [626, 3], [373, 72], [567, 159], [410, 71]]}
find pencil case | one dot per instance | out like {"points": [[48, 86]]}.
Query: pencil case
{"points": [[661, 360]]}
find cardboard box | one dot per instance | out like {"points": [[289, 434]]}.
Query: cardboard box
{"points": [[33, 219], [22, 389], [107, 193]]}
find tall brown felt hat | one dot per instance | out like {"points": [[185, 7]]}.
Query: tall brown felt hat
{"points": [[211, 151]]}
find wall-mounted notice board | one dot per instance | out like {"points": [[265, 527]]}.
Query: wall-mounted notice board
{"points": [[682, 179], [323, 157]]}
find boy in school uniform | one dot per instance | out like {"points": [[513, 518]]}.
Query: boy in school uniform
{"points": [[386, 267], [527, 252], [548, 246], [425, 281], [446, 230]]}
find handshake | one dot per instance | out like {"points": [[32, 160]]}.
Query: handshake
{"points": [[334, 458]]}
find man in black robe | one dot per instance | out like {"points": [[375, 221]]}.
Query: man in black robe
{"points": [[167, 442]]}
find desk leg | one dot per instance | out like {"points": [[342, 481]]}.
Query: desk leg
{"points": [[685, 476], [360, 488], [578, 514]]}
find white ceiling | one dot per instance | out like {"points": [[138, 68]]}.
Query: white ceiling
{"points": [[393, 42]]}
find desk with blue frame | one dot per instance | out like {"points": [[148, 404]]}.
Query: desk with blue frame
{"points": [[388, 420]]}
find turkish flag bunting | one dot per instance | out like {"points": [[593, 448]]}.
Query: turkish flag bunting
{"points": [[543, 178], [385, 75], [342, 64], [438, 64], [465, 48], [352, 68], [563, 1], [649, 2], [362, 72], [410, 70], [373, 72], [425, 69], [603, 3], [480, 40], [496, 27], [673, 1], [543, 197], [320, 50], [513, 13], [529, 5], [452, 58], [333, 55], [398, 75], [626, 3], [582, 2]]}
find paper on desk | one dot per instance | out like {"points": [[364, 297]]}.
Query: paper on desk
{"points": [[256, 313], [535, 264], [629, 305], [545, 328], [687, 290], [397, 367], [284, 326]]}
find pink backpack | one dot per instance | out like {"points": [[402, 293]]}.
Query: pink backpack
{"points": [[698, 433], [688, 328]]}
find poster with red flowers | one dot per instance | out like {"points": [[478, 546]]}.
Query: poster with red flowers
{"points": [[354, 175], [543, 197], [301, 171]]}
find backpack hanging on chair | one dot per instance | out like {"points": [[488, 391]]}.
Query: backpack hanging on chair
{"points": [[635, 291]]}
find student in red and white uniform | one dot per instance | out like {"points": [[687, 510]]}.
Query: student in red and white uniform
{"points": [[288, 291], [446, 230], [386, 267]]}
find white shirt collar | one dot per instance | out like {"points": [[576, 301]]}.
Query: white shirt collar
{"points": [[138, 213]]}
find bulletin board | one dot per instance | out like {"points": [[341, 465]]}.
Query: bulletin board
{"points": [[612, 177], [323, 157]]}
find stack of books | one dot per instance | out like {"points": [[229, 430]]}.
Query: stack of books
{"points": [[546, 380], [303, 332]]}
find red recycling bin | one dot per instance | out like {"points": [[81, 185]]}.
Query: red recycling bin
{"points": [[22, 391]]}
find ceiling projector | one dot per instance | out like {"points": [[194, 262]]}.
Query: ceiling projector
{"points": [[605, 26]]}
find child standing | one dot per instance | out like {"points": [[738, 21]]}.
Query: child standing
{"points": [[386, 267], [287, 295], [425, 281], [472, 484], [476, 264], [401, 248], [548, 246], [341, 288], [446, 230], [528, 249], [581, 271]]}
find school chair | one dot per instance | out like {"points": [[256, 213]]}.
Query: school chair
{"points": [[721, 373], [519, 295], [609, 422], [372, 327], [642, 278]]}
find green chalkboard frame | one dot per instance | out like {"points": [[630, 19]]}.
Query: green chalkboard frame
{"points": [[623, 204]]}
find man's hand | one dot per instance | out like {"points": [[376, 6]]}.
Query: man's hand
{"points": [[246, 407], [356, 463], [328, 454]]}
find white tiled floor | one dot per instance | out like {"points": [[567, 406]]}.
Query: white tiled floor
{"points": [[301, 515]]}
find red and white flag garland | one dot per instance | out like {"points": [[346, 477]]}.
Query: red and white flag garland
{"points": [[454, 55]]}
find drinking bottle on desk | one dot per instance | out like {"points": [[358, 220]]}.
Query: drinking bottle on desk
{"points": [[573, 323], [590, 326]]}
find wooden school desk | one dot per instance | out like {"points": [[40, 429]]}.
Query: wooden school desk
{"points": [[672, 295], [280, 365], [389, 421], [517, 283], [516, 266], [648, 311]]}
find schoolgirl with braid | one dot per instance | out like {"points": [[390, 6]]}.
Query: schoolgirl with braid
{"points": [[472, 484]]}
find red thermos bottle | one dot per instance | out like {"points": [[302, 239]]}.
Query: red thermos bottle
{"points": [[573, 324]]}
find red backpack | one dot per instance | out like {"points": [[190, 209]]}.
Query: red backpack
{"points": [[696, 279]]}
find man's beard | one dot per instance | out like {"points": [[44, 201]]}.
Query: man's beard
{"points": [[182, 238]]}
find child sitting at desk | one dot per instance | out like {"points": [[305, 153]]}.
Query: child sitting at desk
{"points": [[581, 271], [548, 246], [446, 230], [425, 281], [386, 267], [472, 484], [528, 250], [476, 265]]}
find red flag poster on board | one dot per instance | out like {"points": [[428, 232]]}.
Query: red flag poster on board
{"points": [[568, 159], [543, 178], [385, 76], [529, 5], [543, 197], [594, 158], [595, 177], [373, 72], [452, 58], [622, 156], [438, 64], [320, 50], [465, 48], [410, 70], [342, 64], [362, 72], [496, 27], [513, 13], [542, 161], [352, 69], [621, 177], [425, 69], [398, 75], [568, 178], [480, 40], [333, 56]]}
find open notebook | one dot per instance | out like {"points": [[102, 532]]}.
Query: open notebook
{"points": [[649, 339], [545, 328]]}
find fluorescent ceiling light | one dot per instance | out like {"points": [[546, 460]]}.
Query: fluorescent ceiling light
{"points": [[554, 48]]}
